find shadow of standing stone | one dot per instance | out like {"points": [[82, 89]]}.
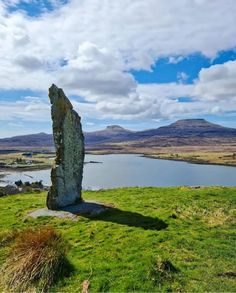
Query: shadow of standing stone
{"points": [[88, 209], [103, 212]]}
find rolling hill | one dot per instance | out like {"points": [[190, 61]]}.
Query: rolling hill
{"points": [[180, 133]]}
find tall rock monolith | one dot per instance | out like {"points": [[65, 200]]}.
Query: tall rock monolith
{"points": [[66, 175]]}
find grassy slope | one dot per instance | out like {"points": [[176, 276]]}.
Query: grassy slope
{"points": [[192, 228]]}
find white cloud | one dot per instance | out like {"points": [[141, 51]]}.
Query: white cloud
{"points": [[100, 41], [27, 109], [217, 83], [37, 109], [96, 72], [29, 62], [175, 59], [138, 31], [182, 76], [145, 102]]}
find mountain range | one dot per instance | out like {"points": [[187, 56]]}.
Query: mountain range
{"points": [[182, 132]]}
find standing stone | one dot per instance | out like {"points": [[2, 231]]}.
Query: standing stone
{"points": [[67, 174]]}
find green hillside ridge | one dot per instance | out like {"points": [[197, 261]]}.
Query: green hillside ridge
{"points": [[155, 239]]}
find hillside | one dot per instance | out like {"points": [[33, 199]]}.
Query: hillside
{"points": [[181, 133], [189, 128], [31, 140], [111, 133], [154, 240]]}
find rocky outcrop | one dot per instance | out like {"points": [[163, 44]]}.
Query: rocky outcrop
{"points": [[67, 174]]}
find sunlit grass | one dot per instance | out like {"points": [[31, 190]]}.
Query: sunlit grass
{"points": [[157, 239]]}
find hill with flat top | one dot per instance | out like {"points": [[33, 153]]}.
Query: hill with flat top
{"points": [[181, 133]]}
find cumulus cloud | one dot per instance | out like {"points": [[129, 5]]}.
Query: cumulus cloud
{"points": [[139, 31], [96, 72], [27, 109], [37, 109], [217, 83], [29, 62], [89, 48]]}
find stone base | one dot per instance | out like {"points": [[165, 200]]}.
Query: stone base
{"points": [[86, 208]]}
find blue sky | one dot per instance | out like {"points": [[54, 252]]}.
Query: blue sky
{"points": [[33, 8], [164, 71], [140, 64]]}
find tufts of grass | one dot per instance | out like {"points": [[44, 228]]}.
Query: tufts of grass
{"points": [[36, 259], [216, 218], [163, 271], [7, 237], [212, 218]]}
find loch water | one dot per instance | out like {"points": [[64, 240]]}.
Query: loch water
{"points": [[124, 170]]}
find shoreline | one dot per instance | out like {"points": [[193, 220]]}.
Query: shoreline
{"points": [[198, 162], [153, 156], [23, 169], [145, 155], [36, 168]]}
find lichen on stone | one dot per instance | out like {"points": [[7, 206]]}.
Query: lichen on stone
{"points": [[67, 174]]}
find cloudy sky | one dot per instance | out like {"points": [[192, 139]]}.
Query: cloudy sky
{"points": [[136, 63]]}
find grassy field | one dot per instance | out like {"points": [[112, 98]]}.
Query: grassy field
{"points": [[155, 239]]}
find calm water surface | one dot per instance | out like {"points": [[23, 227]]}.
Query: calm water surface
{"points": [[134, 170]]}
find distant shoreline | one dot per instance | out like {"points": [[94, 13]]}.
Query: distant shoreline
{"points": [[33, 168], [202, 162], [23, 169], [151, 156]]}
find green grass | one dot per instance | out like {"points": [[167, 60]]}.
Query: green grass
{"points": [[156, 239]]}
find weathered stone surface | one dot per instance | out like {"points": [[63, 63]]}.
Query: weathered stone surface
{"points": [[89, 209], [50, 213], [68, 137]]}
